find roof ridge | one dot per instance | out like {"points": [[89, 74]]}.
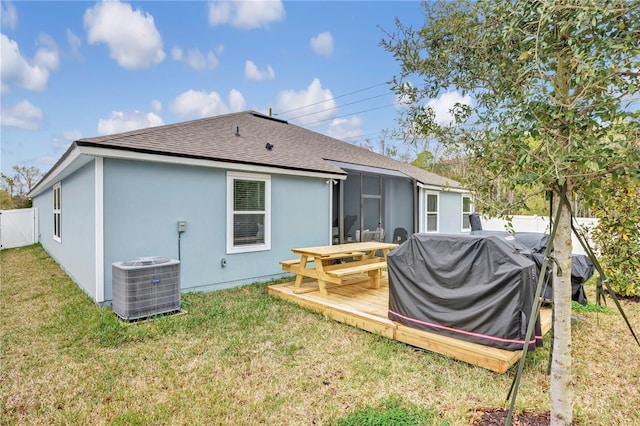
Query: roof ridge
{"points": [[162, 127]]}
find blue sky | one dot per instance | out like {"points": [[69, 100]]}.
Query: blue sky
{"points": [[80, 69]]}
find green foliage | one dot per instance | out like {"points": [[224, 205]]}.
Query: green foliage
{"points": [[589, 307], [425, 160], [391, 412], [18, 184], [617, 207], [6, 202], [542, 115]]}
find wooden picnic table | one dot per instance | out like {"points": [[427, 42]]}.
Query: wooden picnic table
{"points": [[325, 270]]}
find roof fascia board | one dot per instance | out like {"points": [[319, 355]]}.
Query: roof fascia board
{"points": [[370, 169], [140, 156], [72, 161], [443, 188]]}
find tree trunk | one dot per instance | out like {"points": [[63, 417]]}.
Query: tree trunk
{"points": [[561, 389]]}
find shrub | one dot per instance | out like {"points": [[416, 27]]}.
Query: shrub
{"points": [[617, 234]]}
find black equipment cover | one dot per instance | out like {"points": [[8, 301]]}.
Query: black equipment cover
{"points": [[474, 288], [532, 245]]}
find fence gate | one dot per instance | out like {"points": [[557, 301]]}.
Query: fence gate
{"points": [[18, 227]]}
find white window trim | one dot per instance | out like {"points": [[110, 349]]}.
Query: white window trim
{"points": [[57, 188], [427, 212], [231, 176], [462, 212]]}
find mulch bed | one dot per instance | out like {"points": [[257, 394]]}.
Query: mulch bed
{"points": [[498, 417], [632, 298]]}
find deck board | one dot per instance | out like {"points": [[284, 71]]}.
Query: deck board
{"points": [[360, 306]]}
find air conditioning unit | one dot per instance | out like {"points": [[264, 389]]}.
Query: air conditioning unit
{"points": [[145, 286]]}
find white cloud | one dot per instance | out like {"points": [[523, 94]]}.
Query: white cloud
{"points": [[132, 37], [195, 59], [74, 41], [201, 104], [47, 55], [236, 100], [442, 106], [9, 15], [252, 72], [16, 70], [176, 53], [322, 44], [72, 135], [245, 14], [156, 106], [66, 139], [198, 61], [341, 128], [310, 105], [23, 115], [120, 122]]}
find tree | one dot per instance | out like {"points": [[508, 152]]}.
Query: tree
{"points": [[26, 178], [8, 184], [617, 235], [6, 203], [20, 183], [551, 82]]}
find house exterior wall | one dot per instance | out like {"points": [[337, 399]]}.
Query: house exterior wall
{"points": [[75, 252], [143, 201], [450, 211]]}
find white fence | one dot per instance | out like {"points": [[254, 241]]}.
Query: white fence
{"points": [[537, 224], [18, 227]]}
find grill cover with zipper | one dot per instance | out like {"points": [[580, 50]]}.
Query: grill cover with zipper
{"points": [[473, 288]]}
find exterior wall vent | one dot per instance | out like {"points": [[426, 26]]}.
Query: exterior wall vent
{"points": [[145, 286]]}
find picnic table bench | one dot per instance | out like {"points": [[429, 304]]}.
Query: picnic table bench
{"points": [[365, 260]]}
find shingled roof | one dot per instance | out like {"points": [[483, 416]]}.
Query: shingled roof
{"points": [[243, 137]]}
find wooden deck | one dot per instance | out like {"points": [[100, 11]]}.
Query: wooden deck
{"points": [[360, 306]]}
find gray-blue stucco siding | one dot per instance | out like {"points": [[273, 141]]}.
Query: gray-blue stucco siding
{"points": [[75, 252], [143, 201], [450, 212]]}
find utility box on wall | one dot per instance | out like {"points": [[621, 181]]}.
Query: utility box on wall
{"points": [[145, 286]]}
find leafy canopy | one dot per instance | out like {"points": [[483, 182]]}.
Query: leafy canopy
{"points": [[552, 82]]}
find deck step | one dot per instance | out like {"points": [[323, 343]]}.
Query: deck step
{"points": [[366, 308]]}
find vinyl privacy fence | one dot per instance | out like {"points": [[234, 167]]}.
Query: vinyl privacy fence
{"points": [[18, 227], [539, 224]]}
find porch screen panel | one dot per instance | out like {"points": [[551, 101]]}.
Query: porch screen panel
{"points": [[371, 185], [371, 213]]}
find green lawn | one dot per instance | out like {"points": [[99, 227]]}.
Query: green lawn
{"points": [[241, 357]]}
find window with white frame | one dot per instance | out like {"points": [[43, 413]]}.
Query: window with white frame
{"points": [[57, 212], [248, 212], [467, 209], [431, 211]]}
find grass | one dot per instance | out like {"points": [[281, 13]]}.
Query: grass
{"points": [[241, 357]]}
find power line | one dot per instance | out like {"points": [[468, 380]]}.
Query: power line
{"points": [[330, 99], [353, 113], [339, 106]]}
